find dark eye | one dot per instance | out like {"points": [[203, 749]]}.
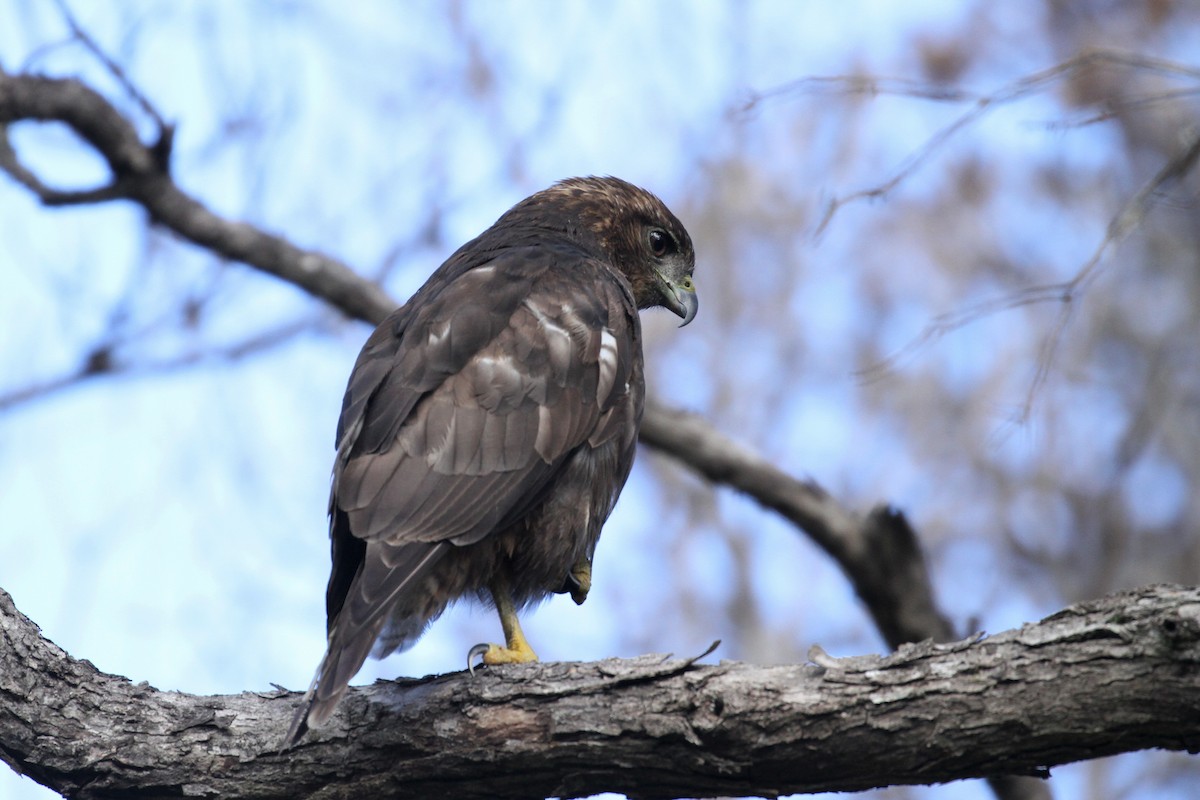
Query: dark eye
{"points": [[660, 242]]}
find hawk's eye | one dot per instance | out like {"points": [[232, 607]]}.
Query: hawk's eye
{"points": [[660, 242]]}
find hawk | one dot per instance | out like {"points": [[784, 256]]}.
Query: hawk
{"points": [[491, 421]]}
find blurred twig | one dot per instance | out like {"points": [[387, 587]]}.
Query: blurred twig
{"points": [[103, 360], [1065, 293], [84, 38], [982, 103]]}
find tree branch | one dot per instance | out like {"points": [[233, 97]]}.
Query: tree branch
{"points": [[981, 104], [103, 360], [1104, 677], [1065, 293], [140, 174], [879, 552]]}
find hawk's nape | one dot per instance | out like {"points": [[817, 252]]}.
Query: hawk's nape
{"points": [[490, 423]]}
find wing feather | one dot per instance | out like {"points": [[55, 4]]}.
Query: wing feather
{"points": [[502, 416]]}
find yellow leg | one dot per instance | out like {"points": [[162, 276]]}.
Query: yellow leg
{"points": [[516, 649]]}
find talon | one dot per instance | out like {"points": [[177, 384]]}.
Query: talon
{"points": [[478, 651], [492, 654], [579, 581]]}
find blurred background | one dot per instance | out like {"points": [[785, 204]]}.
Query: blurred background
{"points": [[852, 173]]}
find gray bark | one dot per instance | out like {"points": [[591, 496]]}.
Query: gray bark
{"points": [[1109, 676]]}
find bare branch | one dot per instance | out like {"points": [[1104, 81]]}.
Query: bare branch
{"points": [[93, 47], [981, 104], [879, 552], [1066, 293], [1122, 107], [140, 176], [843, 85], [102, 361], [10, 164]]}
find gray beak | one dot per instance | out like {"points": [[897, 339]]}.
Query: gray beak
{"points": [[681, 298]]}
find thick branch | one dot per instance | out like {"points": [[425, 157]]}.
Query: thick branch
{"points": [[1105, 677]]}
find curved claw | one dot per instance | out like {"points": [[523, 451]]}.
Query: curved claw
{"points": [[477, 651], [579, 581]]}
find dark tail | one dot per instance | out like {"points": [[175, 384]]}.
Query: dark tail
{"points": [[341, 662], [387, 572]]}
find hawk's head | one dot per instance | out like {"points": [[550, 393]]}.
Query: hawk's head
{"points": [[632, 229]]}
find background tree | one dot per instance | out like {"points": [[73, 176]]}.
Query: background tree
{"points": [[947, 276]]}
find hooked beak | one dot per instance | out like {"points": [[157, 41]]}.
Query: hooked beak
{"points": [[681, 298]]}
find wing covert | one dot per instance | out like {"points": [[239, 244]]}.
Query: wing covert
{"points": [[478, 390]]}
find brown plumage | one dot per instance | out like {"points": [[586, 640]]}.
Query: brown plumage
{"points": [[490, 423]]}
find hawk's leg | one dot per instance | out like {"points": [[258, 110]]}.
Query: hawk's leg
{"points": [[516, 649]]}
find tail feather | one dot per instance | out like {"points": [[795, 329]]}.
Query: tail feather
{"points": [[341, 663], [375, 590]]}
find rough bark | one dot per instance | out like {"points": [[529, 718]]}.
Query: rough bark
{"points": [[1104, 677]]}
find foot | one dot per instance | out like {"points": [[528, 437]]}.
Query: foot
{"points": [[579, 582], [517, 651], [492, 654]]}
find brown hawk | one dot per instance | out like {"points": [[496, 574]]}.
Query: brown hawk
{"points": [[490, 423]]}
